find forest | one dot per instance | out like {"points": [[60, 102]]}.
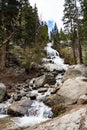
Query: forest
{"points": [[43, 74], [23, 35]]}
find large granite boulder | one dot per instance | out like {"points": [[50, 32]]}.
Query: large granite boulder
{"points": [[72, 89], [53, 99], [19, 108], [75, 71], [2, 91]]}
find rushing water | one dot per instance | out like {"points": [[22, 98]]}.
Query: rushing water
{"points": [[39, 111], [54, 58]]}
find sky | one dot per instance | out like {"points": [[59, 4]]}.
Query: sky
{"points": [[50, 11]]}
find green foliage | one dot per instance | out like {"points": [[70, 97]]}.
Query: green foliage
{"points": [[67, 54], [58, 110], [28, 55], [85, 57], [43, 33], [84, 17], [63, 36], [55, 34], [85, 53], [73, 25], [17, 17]]}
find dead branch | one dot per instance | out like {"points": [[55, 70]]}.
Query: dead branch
{"points": [[5, 41]]}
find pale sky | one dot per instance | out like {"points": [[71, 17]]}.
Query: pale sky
{"points": [[50, 11]]}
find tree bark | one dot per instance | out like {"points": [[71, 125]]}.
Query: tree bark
{"points": [[78, 35], [79, 46], [3, 52]]}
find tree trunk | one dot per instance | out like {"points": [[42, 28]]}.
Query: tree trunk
{"points": [[78, 35], [79, 46], [73, 44], [3, 57], [74, 54]]}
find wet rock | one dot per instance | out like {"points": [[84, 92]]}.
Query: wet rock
{"points": [[50, 79], [19, 108], [42, 90], [17, 97], [32, 96], [72, 89], [2, 91], [3, 108]]}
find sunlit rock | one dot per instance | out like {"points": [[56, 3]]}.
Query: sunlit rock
{"points": [[82, 99], [72, 89], [75, 71]]}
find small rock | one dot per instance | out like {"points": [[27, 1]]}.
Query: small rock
{"points": [[46, 86], [17, 97], [82, 99], [53, 90], [32, 96], [42, 90], [40, 81]]}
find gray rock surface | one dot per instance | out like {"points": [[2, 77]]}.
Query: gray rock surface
{"points": [[2, 91], [72, 89], [75, 71], [19, 108], [44, 79], [53, 99], [82, 99]]}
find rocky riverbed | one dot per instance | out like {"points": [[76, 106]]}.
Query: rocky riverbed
{"points": [[55, 95]]}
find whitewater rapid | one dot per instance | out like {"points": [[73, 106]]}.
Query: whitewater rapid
{"points": [[43, 112]]}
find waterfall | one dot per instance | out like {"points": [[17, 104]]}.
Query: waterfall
{"points": [[54, 58], [39, 112]]}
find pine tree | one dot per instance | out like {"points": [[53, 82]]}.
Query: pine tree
{"points": [[43, 37], [8, 13], [84, 17], [55, 34], [71, 21]]}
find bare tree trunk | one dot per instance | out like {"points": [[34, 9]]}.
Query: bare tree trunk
{"points": [[3, 57], [79, 46], [73, 46], [74, 54], [78, 36]]}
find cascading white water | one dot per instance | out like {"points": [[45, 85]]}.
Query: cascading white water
{"points": [[54, 58], [39, 112]]}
